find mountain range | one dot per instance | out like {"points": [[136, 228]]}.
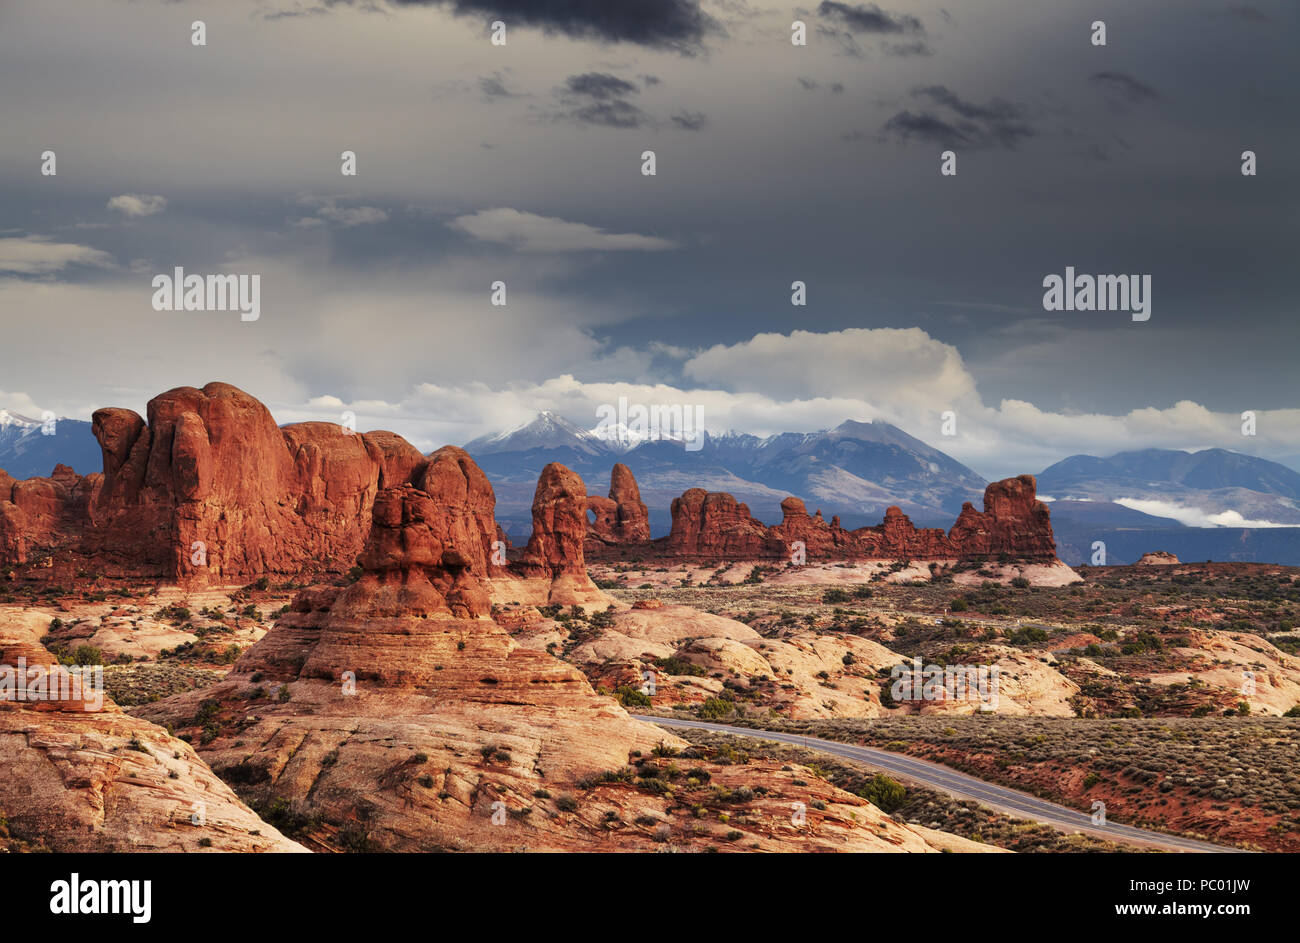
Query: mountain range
{"points": [[856, 470], [1212, 503], [29, 448]]}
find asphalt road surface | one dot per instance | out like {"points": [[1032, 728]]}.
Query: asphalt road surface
{"points": [[925, 773]]}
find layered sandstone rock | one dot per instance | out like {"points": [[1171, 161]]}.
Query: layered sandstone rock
{"points": [[623, 517], [393, 716], [1014, 524], [407, 714], [80, 775]]}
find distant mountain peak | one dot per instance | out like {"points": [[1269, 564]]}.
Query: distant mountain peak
{"points": [[10, 419], [546, 430]]}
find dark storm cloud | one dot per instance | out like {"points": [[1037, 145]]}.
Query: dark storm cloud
{"points": [[599, 85], [918, 48], [667, 24], [601, 99], [927, 127], [998, 123], [998, 110], [493, 87], [690, 120], [869, 18], [813, 85], [611, 114], [1118, 85]]}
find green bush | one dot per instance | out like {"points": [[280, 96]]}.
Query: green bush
{"points": [[629, 696], [87, 655], [715, 707], [884, 793]]}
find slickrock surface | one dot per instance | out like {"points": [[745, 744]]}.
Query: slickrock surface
{"points": [[102, 780], [803, 673]]}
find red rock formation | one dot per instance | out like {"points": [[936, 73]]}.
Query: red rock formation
{"points": [[559, 525], [211, 488], [40, 513], [411, 639], [622, 518], [1014, 524], [554, 562], [714, 525], [897, 538], [430, 547]]}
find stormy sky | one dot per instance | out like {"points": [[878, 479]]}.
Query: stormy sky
{"points": [[522, 163]]}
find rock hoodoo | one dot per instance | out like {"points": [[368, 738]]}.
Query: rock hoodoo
{"points": [[622, 518]]}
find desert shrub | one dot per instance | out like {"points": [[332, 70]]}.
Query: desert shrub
{"points": [[884, 793], [87, 655], [714, 707], [629, 696]]}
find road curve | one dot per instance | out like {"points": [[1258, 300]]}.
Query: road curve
{"points": [[962, 786]]}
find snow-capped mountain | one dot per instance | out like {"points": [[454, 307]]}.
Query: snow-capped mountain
{"points": [[548, 431], [31, 447], [855, 470]]}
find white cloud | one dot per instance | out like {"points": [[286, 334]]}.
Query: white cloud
{"points": [[38, 255], [353, 215], [138, 204], [19, 403], [453, 367], [1193, 516], [886, 365], [529, 232], [328, 209]]}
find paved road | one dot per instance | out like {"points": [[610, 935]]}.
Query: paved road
{"points": [[925, 773]]}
